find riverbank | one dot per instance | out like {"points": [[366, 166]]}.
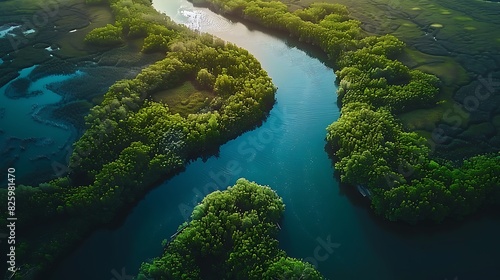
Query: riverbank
{"points": [[132, 142], [317, 210], [452, 41], [456, 41], [50, 37]]}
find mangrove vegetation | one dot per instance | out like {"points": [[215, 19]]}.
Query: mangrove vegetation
{"points": [[131, 141]]}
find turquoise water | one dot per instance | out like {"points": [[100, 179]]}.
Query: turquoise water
{"points": [[287, 153], [29, 142]]}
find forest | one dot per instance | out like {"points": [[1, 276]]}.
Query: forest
{"points": [[231, 235], [132, 142], [368, 142]]}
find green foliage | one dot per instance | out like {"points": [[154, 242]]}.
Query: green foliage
{"points": [[124, 117], [205, 79], [444, 190], [224, 85], [136, 19], [318, 11], [364, 137], [132, 142], [232, 235], [108, 35], [287, 268], [158, 39]]}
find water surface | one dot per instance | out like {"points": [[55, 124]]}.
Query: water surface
{"points": [[323, 224]]}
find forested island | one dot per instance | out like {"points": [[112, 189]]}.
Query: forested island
{"points": [[370, 147]]}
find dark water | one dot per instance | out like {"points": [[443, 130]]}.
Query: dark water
{"points": [[34, 139], [29, 142], [324, 224]]}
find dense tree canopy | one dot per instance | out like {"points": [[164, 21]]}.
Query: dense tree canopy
{"points": [[369, 143], [131, 141], [135, 19], [232, 235]]}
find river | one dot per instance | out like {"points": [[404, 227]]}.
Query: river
{"points": [[30, 142], [324, 223]]}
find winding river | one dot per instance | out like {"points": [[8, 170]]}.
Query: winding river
{"points": [[324, 223], [29, 141]]}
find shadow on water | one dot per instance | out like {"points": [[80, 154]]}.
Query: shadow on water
{"points": [[404, 229], [291, 42], [368, 241]]}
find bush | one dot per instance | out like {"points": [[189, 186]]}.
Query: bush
{"points": [[106, 36]]}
